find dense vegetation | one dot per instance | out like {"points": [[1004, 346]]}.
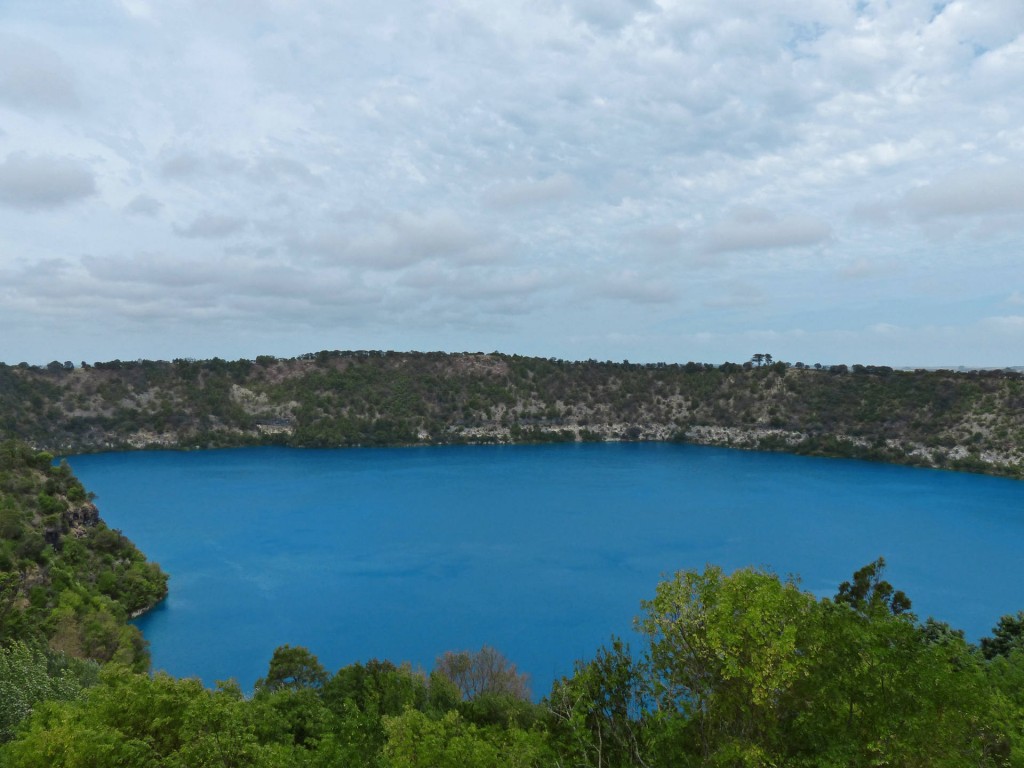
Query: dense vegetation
{"points": [[971, 421], [68, 583], [735, 670]]}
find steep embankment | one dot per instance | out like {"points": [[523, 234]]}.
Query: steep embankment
{"points": [[972, 421], [66, 579]]}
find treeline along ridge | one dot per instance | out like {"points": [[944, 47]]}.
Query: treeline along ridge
{"points": [[959, 420]]}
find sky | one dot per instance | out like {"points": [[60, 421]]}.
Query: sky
{"points": [[651, 180]]}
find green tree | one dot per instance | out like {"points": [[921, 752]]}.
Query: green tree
{"points": [[132, 720], [293, 667], [12, 618], [1004, 729], [292, 716], [361, 695], [1007, 637], [415, 740], [378, 688], [217, 731], [599, 713], [870, 594], [11, 523], [884, 692], [25, 681], [726, 654]]}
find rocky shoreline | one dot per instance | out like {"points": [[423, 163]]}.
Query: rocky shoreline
{"points": [[969, 421], [895, 451]]}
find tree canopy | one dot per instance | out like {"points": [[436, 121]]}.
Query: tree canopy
{"points": [[731, 669]]}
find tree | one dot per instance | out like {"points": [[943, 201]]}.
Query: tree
{"points": [[483, 672], [726, 652], [377, 688], [25, 680], [360, 696], [885, 691], [882, 689], [599, 712], [12, 526], [293, 667], [415, 740], [134, 720], [1007, 637], [11, 616], [869, 593]]}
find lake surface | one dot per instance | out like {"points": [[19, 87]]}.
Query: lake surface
{"points": [[543, 552]]}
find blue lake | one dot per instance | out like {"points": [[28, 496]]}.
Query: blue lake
{"points": [[543, 552]]}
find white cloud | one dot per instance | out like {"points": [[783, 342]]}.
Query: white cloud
{"points": [[660, 235], [608, 15], [402, 240], [477, 288], [646, 170], [143, 205], [734, 295], [969, 192], [156, 269], [756, 229], [526, 193], [212, 226], [138, 8], [263, 168], [188, 165], [632, 286], [1007, 323], [37, 182], [34, 78]]}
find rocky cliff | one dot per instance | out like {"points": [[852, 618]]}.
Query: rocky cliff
{"points": [[963, 420]]}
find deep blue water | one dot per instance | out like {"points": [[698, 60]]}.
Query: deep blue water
{"points": [[541, 551]]}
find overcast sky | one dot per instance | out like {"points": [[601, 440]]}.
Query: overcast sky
{"points": [[823, 180]]}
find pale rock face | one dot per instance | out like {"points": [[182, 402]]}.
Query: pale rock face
{"points": [[965, 420], [81, 518]]}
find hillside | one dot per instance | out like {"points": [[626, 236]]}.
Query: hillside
{"points": [[961, 420], [67, 581]]}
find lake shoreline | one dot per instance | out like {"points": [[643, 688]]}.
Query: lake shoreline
{"points": [[759, 439], [533, 551]]}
